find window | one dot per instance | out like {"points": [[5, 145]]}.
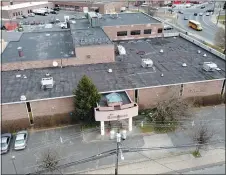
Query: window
{"points": [[147, 31], [28, 11], [18, 13], [88, 56], [160, 30], [14, 14], [11, 3], [30, 114], [135, 32], [122, 33], [21, 13]]}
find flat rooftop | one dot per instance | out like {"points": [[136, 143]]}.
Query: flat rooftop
{"points": [[127, 72], [123, 95], [23, 5], [40, 46], [91, 36], [127, 19]]}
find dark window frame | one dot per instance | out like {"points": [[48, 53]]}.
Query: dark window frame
{"points": [[160, 29], [135, 32], [147, 31], [122, 33]]}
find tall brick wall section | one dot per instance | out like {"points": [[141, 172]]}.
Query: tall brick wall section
{"points": [[114, 7], [14, 117], [149, 97], [131, 94], [52, 107], [205, 88], [98, 54], [111, 31]]}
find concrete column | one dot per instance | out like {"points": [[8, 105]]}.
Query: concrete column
{"points": [[130, 124], [102, 128]]}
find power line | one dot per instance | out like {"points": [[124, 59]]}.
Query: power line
{"points": [[125, 150]]}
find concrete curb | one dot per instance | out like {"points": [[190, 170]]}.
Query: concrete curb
{"points": [[198, 167]]}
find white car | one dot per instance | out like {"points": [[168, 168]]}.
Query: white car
{"points": [[63, 25], [21, 140], [200, 14], [31, 14], [207, 14]]}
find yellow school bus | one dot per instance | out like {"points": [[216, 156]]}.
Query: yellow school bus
{"points": [[195, 25]]}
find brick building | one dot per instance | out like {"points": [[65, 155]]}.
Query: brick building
{"points": [[88, 48]]}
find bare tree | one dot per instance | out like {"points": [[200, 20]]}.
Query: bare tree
{"points": [[49, 161], [220, 38], [201, 136]]}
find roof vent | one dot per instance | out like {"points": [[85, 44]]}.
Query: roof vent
{"points": [[162, 75], [47, 83], [47, 74], [24, 76], [18, 76], [109, 70], [55, 64], [204, 55], [122, 50], [147, 63], [199, 51], [161, 51], [47, 34], [210, 66], [23, 98], [184, 65]]}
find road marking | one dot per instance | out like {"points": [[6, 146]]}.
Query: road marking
{"points": [[61, 140]]}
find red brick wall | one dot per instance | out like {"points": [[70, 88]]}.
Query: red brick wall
{"points": [[111, 31], [207, 88], [52, 107], [149, 97], [98, 54], [14, 117], [14, 111], [131, 94], [114, 6]]}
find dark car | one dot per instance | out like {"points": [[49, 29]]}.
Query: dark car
{"points": [[56, 9], [185, 18], [53, 12], [24, 16], [210, 10], [195, 14], [202, 7], [180, 12], [5, 142]]}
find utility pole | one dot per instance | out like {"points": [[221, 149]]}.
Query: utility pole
{"points": [[118, 137]]}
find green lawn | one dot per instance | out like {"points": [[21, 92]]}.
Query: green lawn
{"points": [[146, 129], [221, 18]]}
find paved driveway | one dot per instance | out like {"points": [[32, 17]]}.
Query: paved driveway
{"points": [[70, 145]]}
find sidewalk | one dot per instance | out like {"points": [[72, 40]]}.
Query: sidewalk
{"points": [[214, 20], [173, 164]]}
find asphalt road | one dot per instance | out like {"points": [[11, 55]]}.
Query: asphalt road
{"points": [[209, 28], [219, 169], [70, 144]]}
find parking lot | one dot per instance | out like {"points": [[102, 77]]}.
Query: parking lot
{"points": [[39, 19]]}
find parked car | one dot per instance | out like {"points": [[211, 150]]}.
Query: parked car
{"points": [[24, 16], [200, 14], [53, 12], [181, 12], [5, 142], [207, 14], [20, 17], [185, 18], [32, 23], [195, 14], [202, 7], [210, 10], [21, 140], [31, 14]]}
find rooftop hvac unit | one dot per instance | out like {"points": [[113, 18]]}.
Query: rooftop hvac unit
{"points": [[47, 83], [122, 50], [210, 66], [147, 63]]}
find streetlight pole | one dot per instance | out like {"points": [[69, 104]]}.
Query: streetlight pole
{"points": [[13, 158]]}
